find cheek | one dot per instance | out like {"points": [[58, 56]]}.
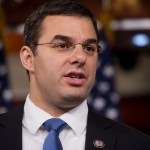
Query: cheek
{"points": [[42, 67], [93, 69], [93, 66], [48, 67]]}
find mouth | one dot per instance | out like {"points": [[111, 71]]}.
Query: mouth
{"points": [[75, 78], [76, 75]]}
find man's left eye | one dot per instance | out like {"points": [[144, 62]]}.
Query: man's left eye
{"points": [[89, 48]]}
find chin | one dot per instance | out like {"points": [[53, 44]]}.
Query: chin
{"points": [[75, 99], [74, 96], [68, 105]]}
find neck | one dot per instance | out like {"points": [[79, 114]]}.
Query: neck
{"points": [[53, 110]]}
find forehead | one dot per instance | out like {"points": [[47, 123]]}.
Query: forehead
{"points": [[73, 26]]}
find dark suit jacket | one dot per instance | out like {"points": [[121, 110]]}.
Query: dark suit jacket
{"points": [[102, 133]]}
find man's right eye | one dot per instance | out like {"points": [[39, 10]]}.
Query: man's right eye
{"points": [[61, 46]]}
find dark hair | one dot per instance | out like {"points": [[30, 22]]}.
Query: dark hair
{"points": [[59, 7]]}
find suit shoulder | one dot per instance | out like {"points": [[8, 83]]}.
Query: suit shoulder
{"points": [[122, 136], [12, 115], [118, 128]]}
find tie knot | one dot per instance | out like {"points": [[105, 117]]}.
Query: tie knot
{"points": [[54, 124]]}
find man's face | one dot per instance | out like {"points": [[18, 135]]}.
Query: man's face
{"points": [[64, 78]]}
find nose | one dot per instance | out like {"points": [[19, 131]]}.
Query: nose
{"points": [[78, 56]]}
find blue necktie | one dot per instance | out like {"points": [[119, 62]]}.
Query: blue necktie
{"points": [[52, 141]]}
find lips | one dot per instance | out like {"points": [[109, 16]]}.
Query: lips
{"points": [[75, 75], [75, 78]]}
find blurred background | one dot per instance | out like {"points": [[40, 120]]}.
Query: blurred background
{"points": [[125, 37]]}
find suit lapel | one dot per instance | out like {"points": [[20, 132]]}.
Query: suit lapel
{"points": [[99, 135], [11, 130]]}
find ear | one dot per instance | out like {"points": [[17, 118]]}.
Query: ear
{"points": [[27, 58]]}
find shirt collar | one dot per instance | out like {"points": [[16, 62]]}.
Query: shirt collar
{"points": [[77, 118], [34, 117]]}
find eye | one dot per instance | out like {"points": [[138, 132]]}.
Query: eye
{"points": [[89, 48], [62, 46]]}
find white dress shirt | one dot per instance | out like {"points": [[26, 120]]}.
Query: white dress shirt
{"points": [[72, 137]]}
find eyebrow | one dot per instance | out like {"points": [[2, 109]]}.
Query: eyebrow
{"points": [[62, 37], [69, 39], [91, 41]]}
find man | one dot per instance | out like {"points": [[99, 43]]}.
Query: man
{"points": [[60, 55]]}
